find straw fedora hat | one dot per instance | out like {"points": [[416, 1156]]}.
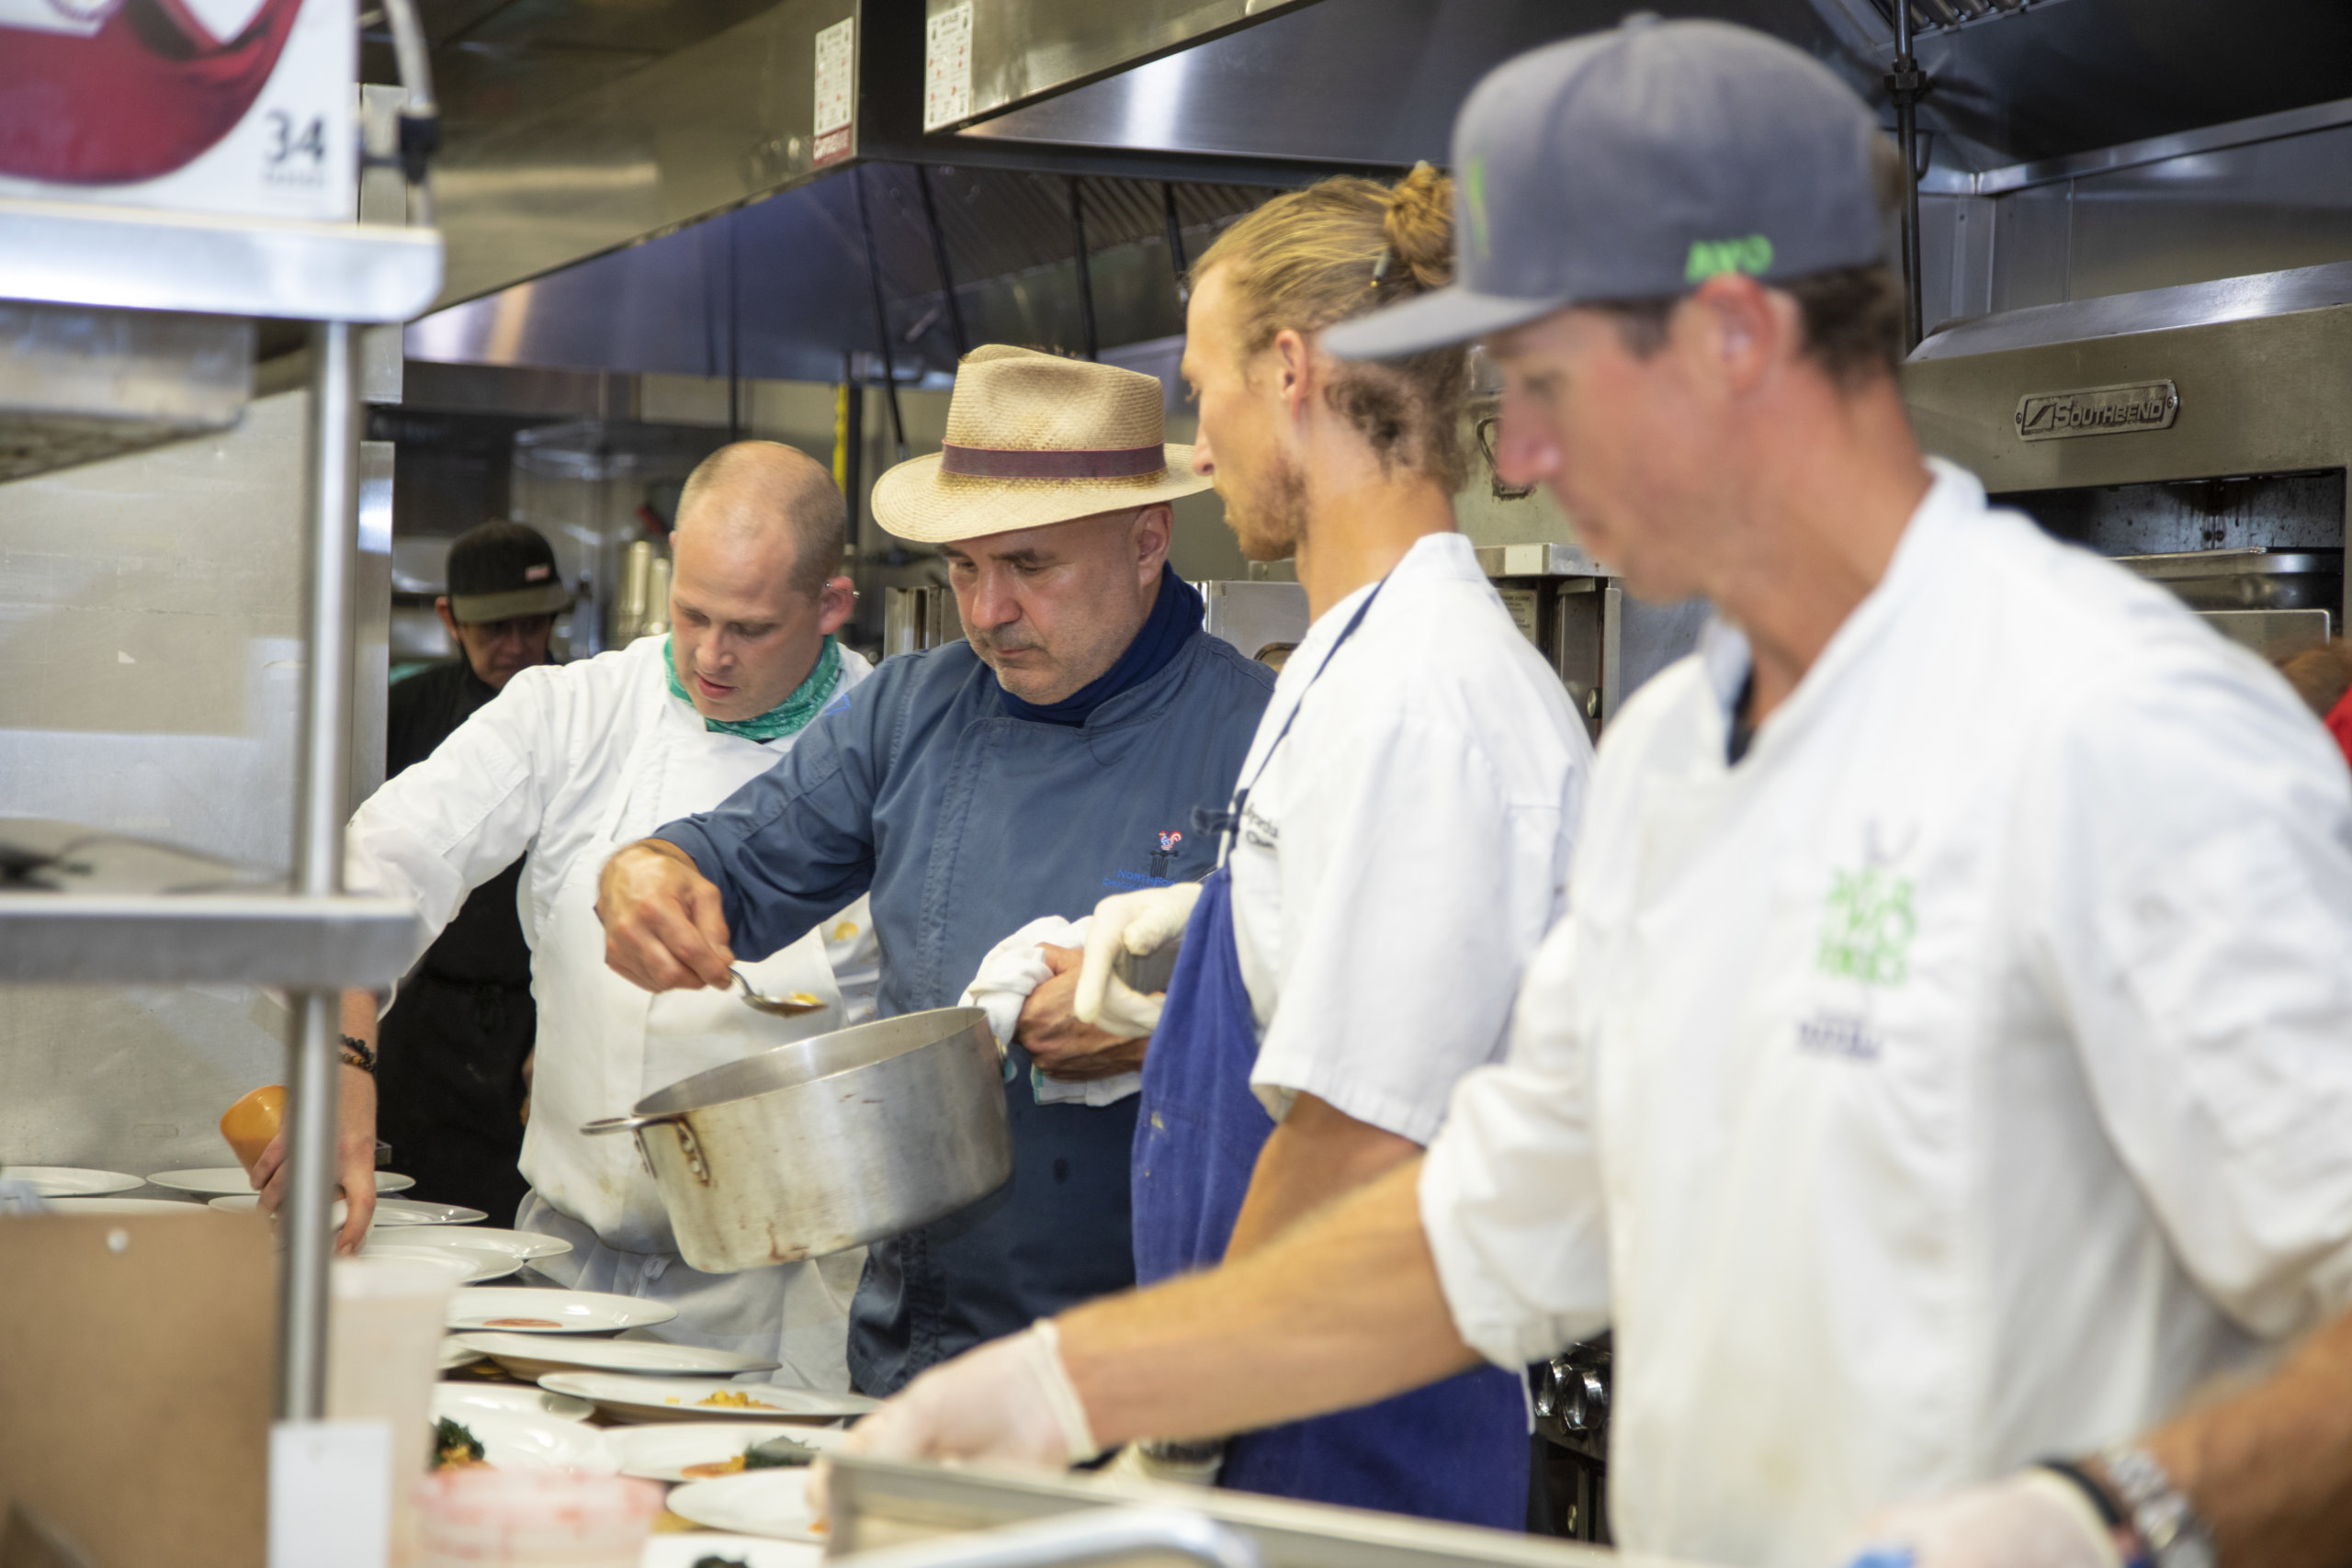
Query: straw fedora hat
{"points": [[1034, 439]]}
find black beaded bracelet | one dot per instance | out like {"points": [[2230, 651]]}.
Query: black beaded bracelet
{"points": [[356, 1053]]}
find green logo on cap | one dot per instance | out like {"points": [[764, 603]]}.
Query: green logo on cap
{"points": [[1709, 258], [1474, 187]]}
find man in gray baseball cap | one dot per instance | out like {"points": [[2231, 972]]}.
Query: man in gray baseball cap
{"points": [[1946, 1060]]}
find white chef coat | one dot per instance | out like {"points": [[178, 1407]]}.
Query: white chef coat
{"points": [[1403, 850], [1957, 1080], [569, 762]]}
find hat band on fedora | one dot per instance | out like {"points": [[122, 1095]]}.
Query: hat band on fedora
{"points": [[1010, 463]]}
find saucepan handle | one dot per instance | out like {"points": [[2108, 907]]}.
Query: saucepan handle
{"points": [[604, 1124]]}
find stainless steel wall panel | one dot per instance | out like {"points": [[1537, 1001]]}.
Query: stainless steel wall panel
{"points": [[699, 130], [1025, 49], [148, 610], [2266, 396]]}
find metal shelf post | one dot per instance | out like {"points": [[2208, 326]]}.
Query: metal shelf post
{"points": [[333, 499]]}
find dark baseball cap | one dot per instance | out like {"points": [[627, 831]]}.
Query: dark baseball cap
{"points": [[501, 570], [1636, 164]]}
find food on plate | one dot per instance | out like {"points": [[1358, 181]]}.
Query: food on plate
{"points": [[455, 1446], [521, 1323], [771, 1453], [253, 1121], [730, 1399]]}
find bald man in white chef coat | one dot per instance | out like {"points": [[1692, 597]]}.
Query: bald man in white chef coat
{"points": [[568, 763]]}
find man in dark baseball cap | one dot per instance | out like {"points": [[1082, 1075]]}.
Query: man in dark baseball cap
{"points": [[1944, 1064], [451, 1082]]}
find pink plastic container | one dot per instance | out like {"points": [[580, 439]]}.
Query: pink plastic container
{"points": [[481, 1518]]}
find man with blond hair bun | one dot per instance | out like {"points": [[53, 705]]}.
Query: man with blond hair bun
{"points": [[1397, 846]]}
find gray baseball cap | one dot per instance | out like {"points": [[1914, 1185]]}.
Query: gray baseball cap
{"points": [[1635, 164]]}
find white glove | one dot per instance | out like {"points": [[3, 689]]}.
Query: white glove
{"points": [[1011, 1399], [2031, 1519], [1140, 923]]}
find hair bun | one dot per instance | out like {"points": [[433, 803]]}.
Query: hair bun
{"points": [[1419, 226]]}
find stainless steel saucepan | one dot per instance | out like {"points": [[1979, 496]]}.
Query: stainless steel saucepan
{"points": [[828, 1142]]}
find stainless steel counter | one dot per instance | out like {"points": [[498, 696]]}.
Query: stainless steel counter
{"points": [[880, 1504]]}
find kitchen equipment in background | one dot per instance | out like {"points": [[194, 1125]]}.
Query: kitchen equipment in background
{"points": [[588, 485], [1602, 642], [641, 603], [2198, 435], [828, 1142], [1266, 620], [1571, 1400], [920, 617]]}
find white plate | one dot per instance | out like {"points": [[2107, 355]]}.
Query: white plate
{"points": [[454, 1355], [461, 1269], [685, 1550], [125, 1206], [521, 1246], [772, 1502], [662, 1453], [522, 1439], [415, 1211], [456, 1398], [676, 1399], [530, 1355], [227, 1180], [246, 1202], [559, 1311], [67, 1181]]}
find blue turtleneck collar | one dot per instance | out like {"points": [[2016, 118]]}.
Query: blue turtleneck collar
{"points": [[1175, 617]]}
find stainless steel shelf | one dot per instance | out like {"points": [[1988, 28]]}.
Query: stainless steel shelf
{"points": [[266, 939], [69, 252]]}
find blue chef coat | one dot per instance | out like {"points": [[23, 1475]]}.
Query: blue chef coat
{"points": [[965, 823]]}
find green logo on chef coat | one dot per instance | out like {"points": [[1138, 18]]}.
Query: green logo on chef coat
{"points": [[1866, 928]]}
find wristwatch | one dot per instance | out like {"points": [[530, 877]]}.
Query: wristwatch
{"points": [[2161, 1513]]}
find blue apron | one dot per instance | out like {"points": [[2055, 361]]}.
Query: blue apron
{"points": [[1455, 1449]]}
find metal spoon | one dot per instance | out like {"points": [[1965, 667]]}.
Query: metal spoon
{"points": [[792, 1005]]}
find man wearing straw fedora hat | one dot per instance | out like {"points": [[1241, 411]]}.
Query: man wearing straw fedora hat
{"points": [[1055, 756]]}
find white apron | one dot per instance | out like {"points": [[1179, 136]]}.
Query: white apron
{"points": [[605, 1045]]}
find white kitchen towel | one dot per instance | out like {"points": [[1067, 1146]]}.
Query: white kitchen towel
{"points": [[1012, 969]]}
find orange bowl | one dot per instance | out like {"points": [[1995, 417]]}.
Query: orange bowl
{"points": [[253, 1121]]}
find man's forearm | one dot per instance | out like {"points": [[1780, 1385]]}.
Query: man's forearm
{"points": [[359, 1019], [1316, 1155], [2270, 1468], [1344, 1310]]}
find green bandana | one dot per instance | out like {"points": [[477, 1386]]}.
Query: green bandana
{"points": [[790, 717]]}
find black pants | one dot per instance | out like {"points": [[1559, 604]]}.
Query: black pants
{"points": [[449, 1090]]}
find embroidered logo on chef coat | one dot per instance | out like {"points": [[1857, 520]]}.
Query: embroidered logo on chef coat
{"points": [[1867, 925], [1165, 856]]}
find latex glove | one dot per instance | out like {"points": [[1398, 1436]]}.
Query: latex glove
{"points": [[1139, 923], [1011, 1400], [2031, 1519]]}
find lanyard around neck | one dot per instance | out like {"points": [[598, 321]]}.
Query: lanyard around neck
{"points": [[1232, 823]]}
